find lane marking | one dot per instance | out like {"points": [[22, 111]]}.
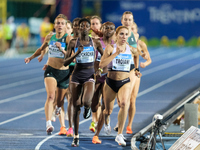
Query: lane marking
{"points": [[87, 120], [181, 74], [23, 95], [43, 141], [177, 76], [18, 74], [169, 55], [171, 63], [152, 70], [23, 82], [22, 116], [164, 56], [49, 137]]}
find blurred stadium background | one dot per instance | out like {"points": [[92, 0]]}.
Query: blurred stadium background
{"points": [[161, 23]]}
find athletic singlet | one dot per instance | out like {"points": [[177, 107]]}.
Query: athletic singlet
{"points": [[54, 50], [87, 56], [98, 55], [121, 62], [131, 41]]}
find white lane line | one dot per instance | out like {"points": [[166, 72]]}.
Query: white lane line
{"points": [[169, 55], [32, 80], [164, 56], [22, 116], [19, 74], [49, 137], [87, 120], [24, 135], [157, 51], [181, 74], [152, 70], [171, 63], [31, 71], [22, 95], [177, 76], [21, 134]]}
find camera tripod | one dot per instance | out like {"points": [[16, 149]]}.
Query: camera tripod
{"points": [[155, 130]]}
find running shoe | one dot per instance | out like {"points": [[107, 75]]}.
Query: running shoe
{"points": [[92, 126], [50, 129], [116, 127], [70, 132], [120, 140], [53, 118], [107, 129], [75, 142], [57, 111], [129, 130], [63, 131], [96, 140], [87, 113]]}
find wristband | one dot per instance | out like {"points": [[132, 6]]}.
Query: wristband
{"points": [[137, 69], [101, 70], [61, 49]]}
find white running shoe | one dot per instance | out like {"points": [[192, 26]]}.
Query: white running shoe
{"points": [[50, 129], [120, 140], [53, 118], [57, 111], [107, 129]]}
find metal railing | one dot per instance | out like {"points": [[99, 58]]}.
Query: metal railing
{"points": [[168, 117]]}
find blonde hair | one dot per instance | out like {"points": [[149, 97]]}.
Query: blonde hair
{"points": [[127, 12], [135, 25], [96, 17], [69, 22], [61, 16]]}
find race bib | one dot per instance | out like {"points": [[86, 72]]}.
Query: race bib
{"points": [[86, 56], [122, 62], [54, 50]]}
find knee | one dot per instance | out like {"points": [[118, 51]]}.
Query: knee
{"points": [[124, 104], [107, 112], [132, 104], [50, 97]]}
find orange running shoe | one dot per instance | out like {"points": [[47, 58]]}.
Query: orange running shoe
{"points": [[96, 140], [129, 130], [63, 131]]}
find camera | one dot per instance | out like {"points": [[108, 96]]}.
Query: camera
{"points": [[158, 117]]}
